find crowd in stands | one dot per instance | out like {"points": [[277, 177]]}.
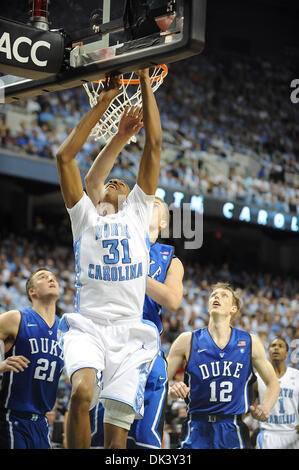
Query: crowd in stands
{"points": [[270, 304], [229, 131]]}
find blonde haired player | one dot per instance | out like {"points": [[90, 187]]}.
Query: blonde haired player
{"points": [[219, 369], [281, 430], [108, 348]]}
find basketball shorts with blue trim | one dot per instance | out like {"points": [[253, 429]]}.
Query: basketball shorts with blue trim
{"points": [[146, 433], [121, 353], [214, 432], [23, 431], [277, 439]]}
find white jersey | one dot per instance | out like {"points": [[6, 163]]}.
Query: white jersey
{"points": [[284, 415], [111, 257]]}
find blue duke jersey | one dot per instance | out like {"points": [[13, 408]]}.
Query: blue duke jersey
{"points": [[35, 389], [146, 432], [111, 252], [219, 379], [160, 258]]}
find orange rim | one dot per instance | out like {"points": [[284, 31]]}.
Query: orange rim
{"points": [[135, 81]]}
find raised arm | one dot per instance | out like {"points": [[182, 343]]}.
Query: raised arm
{"points": [[170, 293], [129, 125], [68, 171], [266, 371], [149, 166]]}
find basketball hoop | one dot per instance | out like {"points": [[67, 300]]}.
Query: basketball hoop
{"points": [[129, 95]]}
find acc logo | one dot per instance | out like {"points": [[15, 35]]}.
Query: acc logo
{"points": [[12, 50]]}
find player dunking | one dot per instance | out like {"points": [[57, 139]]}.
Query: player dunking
{"points": [[164, 289], [108, 347], [219, 362], [32, 363], [281, 430]]}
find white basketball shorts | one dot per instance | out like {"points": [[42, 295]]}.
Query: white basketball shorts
{"points": [[277, 439], [121, 352]]}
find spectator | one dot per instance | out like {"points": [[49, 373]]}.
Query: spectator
{"points": [[266, 308], [208, 132]]}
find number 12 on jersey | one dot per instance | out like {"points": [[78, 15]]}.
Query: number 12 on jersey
{"points": [[224, 393]]}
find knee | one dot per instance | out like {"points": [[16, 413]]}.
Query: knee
{"points": [[81, 395]]}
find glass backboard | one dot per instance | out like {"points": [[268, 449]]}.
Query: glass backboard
{"points": [[100, 37]]}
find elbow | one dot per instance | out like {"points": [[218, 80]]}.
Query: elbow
{"points": [[157, 145], [61, 157], [174, 306], [175, 303], [87, 180], [154, 153], [154, 143], [87, 184]]}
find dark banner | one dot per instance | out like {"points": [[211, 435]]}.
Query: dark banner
{"points": [[29, 52], [231, 210], [40, 169]]}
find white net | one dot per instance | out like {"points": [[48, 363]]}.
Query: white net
{"points": [[129, 95]]}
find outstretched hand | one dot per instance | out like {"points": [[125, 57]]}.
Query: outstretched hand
{"points": [[111, 88], [131, 121]]}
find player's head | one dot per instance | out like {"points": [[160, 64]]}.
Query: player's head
{"points": [[160, 218], [278, 349], [223, 300], [115, 193], [42, 284]]}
